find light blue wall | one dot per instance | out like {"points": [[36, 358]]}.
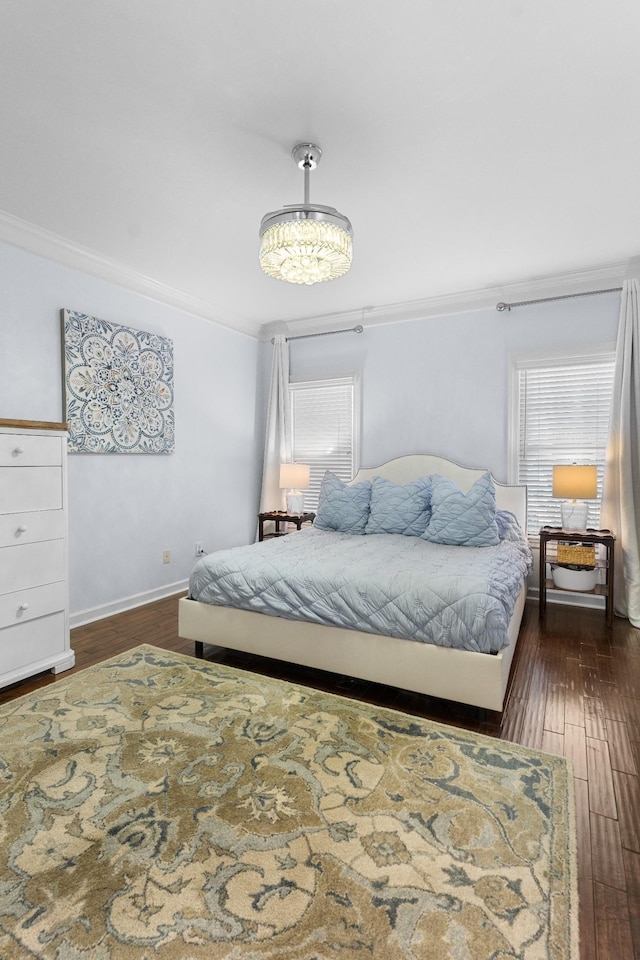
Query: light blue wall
{"points": [[124, 510], [437, 385], [441, 385]]}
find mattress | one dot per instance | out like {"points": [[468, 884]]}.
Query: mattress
{"points": [[389, 584]]}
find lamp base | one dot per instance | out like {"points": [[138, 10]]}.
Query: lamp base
{"points": [[295, 503], [574, 515]]}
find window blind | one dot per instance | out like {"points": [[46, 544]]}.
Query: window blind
{"points": [[564, 408], [323, 424]]}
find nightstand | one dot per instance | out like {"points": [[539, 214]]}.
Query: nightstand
{"points": [[558, 535], [281, 517]]}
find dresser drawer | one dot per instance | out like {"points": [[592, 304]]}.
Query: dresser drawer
{"points": [[25, 450], [34, 600], [32, 642], [31, 565], [30, 488], [24, 605], [18, 528]]}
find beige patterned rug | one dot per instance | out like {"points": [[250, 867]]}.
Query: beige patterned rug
{"points": [[158, 806]]}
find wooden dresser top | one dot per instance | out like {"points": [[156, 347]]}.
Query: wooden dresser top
{"points": [[33, 425]]}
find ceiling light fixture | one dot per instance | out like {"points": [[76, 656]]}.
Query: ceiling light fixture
{"points": [[305, 243]]}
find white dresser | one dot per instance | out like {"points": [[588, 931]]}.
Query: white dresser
{"points": [[34, 604]]}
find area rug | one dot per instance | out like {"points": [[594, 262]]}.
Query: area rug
{"points": [[159, 806]]}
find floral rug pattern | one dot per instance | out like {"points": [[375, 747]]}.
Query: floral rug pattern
{"points": [[160, 806]]}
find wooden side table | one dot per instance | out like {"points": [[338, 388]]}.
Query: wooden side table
{"points": [[603, 537], [281, 517]]}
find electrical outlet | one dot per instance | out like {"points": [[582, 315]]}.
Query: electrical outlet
{"points": [[166, 556], [200, 550]]}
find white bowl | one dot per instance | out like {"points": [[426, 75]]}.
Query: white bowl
{"points": [[580, 580]]}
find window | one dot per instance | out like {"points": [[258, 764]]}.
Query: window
{"points": [[324, 419], [560, 413]]}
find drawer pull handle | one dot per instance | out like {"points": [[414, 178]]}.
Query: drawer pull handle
{"points": [[23, 606], [21, 529], [18, 451]]}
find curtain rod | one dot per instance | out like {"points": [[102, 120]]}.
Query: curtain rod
{"points": [[567, 296], [327, 333]]}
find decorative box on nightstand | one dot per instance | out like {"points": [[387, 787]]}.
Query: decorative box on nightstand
{"points": [[34, 608], [577, 548]]}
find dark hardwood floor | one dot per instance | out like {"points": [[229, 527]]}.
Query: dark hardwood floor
{"points": [[575, 691]]}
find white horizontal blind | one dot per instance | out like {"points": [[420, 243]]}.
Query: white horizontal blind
{"points": [[323, 418], [564, 408]]}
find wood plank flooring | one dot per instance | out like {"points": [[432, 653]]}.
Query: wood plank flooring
{"points": [[575, 691]]}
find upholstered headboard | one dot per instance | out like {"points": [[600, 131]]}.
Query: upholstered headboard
{"points": [[404, 469]]}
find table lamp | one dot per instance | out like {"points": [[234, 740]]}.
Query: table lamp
{"points": [[575, 482], [294, 477]]}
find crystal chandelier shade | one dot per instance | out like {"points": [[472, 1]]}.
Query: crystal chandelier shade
{"points": [[305, 243], [305, 251]]}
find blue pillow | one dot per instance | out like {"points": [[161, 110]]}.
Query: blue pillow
{"points": [[399, 508], [463, 519], [509, 526], [342, 507]]}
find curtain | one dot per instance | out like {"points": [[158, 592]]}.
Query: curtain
{"points": [[621, 492], [277, 446]]}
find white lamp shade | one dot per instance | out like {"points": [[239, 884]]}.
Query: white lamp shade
{"points": [[575, 481], [294, 476]]}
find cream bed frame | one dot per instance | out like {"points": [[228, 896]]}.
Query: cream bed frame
{"points": [[479, 679]]}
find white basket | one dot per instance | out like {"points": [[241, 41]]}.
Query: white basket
{"points": [[579, 580]]}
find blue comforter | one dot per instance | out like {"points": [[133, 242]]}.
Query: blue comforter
{"points": [[389, 584]]}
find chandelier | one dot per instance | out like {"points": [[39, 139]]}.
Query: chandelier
{"points": [[305, 242]]}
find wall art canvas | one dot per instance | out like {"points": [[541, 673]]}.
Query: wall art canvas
{"points": [[118, 387]]}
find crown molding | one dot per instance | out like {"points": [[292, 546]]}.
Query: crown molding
{"points": [[44, 243], [557, 285], [51, 246]]}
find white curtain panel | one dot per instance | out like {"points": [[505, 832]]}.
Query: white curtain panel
{"points": [[277, 446], [621, 494]]}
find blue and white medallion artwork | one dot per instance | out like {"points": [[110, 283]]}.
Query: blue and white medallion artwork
{"points": [[118, 387]]}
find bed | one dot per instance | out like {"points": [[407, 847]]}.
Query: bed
{"points": [[469, 676]]}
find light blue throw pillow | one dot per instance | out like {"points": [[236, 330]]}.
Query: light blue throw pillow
{"points": [[342, 507], [399, 507], [463, 519], [508, 526]]}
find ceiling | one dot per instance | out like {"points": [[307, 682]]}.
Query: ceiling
{"points": [[472, 144]]}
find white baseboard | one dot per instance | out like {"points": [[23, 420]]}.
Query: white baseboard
{"points": [[82, 617], [569, 598]]}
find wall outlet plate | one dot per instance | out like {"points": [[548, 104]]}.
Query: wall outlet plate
{"points": [[166, 556]]}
